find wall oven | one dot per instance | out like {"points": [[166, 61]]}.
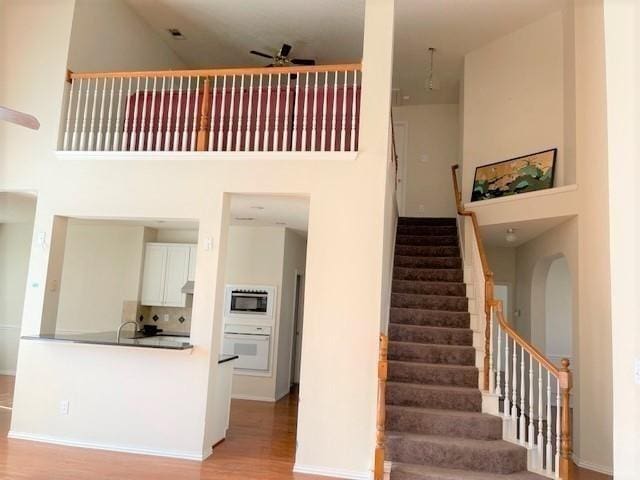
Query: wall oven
{"points": [[252, 344], [249, 304]]}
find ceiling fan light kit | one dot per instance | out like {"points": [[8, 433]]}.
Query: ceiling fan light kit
{"points": [[281, 59]]}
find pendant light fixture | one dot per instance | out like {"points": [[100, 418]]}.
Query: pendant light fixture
{"points": [[432, 82]]}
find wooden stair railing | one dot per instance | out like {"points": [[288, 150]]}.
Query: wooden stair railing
{"points": [[528, 423], [378, 464]]}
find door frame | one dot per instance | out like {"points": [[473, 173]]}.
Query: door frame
{"points": [[294, 354], [402, 167]]}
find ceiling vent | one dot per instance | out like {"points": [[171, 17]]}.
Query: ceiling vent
{"points": [[175, 33]]}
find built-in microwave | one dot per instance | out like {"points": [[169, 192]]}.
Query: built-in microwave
{"points": [[250, 303]]}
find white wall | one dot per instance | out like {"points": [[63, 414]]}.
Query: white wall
{"points": [[503, 265], [513, 98], [433, 146], [101, 271], [558, 310]]}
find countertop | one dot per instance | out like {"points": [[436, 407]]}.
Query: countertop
{"points": [[165, 340]]}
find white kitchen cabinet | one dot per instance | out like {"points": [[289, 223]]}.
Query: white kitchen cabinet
{"points": [[192, 262], [166, 270]]}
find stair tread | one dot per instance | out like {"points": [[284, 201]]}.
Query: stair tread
{"points": [[430, 295], [440, 473], [429, 327], [440, 388], [429, 310], [460, 414], [432, 269], [437, 345], [452, 366], [495, 445]]}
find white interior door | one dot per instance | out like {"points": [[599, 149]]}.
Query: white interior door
{"points": [[400, 131]]}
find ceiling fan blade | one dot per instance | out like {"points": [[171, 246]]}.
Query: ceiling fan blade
{"points": [[303, 61], [19, 118], [285, 50], [260, 54]]}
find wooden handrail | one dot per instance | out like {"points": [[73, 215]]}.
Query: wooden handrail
{"points": [[216, 72], [563, 374], [378, 462]]}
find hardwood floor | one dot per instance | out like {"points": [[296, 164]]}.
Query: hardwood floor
{"points": [[260, 445]]}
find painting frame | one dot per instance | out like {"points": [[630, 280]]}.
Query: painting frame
{"points": [[544, 182]]}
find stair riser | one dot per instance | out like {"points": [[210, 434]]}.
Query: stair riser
{"points": [[421, 251], [441, 354], [428, 275], [433, 375], [425, 230], [426, 221], [482, 427], [432, 318], [441, 336], [427, 262], [410, 450], [410, 396], [426, 288], [427, 240], [429, 302]]}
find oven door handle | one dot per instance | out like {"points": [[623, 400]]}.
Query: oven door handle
{"points": [[256, 337]]}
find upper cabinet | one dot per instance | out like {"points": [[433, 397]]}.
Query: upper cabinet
{"points": [[167, 267], [192, 262]]}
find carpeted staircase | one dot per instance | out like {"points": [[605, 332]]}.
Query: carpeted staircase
{"points": [[435, 429]]}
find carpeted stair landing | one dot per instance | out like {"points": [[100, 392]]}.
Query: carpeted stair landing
{"points": [[435, 427]]}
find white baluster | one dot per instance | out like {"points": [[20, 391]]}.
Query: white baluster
{"points": [[343, 131], [74, 137], [99, 135], [117, 128], [231, 111], [213, 113], [285, 133], [107, 138], [265, 143], [514, 392], [353, 110], [323, 135], [549, 453], [167, 135], [492, 371], [240, 113], [276, 132], [315, 113], [153, 115], [247, 134], [65, 141], [160, 115], [558, 428], [222, 102], [83, 134], [194, 127], [134, 130], [507, 378], [143, 122], [522, 426], [304, 114], [296, 101], [256, 137], [498, 390], [334, 116], [92, 129], [187, 112], [540, 437], [530, 426], [176, 132]]}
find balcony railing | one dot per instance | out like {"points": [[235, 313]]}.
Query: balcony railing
{"points": [[280, 109]]}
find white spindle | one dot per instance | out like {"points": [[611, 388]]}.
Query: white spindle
{"points": [[514, 391], [187, 112], [530, 426], [247, 134], [92, 129], [160, 115], [304, 113], [256, 137], [315, 113], [176, 132], [343, 131], [499, 362], [74, 136], [276, 139], [334, 115], [540, 437], [548, 453], [117, 128], [231, 111], [167, 135], [492, 370], [143, 135], [99, 135], [267, 114], [285, 133], [107, 137], [522, 426], [134, 131], [194, 129], [323, 135], [558, 428], [296, 101], [83, 134], [222, 100], [507, 378], [65, 141], [353, 110], [213, 113], [240, 114], [153, 115]]}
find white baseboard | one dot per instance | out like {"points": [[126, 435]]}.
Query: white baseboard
{"points": [[331, 472], [256, 398], [593, 466], [11, 373], [104, 446]]}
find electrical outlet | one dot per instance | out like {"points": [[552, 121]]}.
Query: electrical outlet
{"points": [[64, 407], [637, 371]]}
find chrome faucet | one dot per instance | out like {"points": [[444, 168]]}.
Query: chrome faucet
{"points": [[135, 329]]}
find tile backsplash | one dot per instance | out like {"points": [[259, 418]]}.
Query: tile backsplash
{"points": [[132, 311]]}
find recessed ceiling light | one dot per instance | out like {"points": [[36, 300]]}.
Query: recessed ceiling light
{"points": [[257, 207], [245, 218], [510, 236], [175, 33]]}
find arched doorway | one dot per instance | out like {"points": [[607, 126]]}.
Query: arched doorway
{"points": [[558, 310]]}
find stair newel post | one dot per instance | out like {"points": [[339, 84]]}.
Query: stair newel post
{"points": [[378, 472], [566, 383], [488, 301], [205, 115]]}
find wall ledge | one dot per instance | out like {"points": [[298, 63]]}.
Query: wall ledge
{"points": [[206, 156], [521, 196]]}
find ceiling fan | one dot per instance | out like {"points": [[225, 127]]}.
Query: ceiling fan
{"points": [[281, 59], [19, 118]]}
